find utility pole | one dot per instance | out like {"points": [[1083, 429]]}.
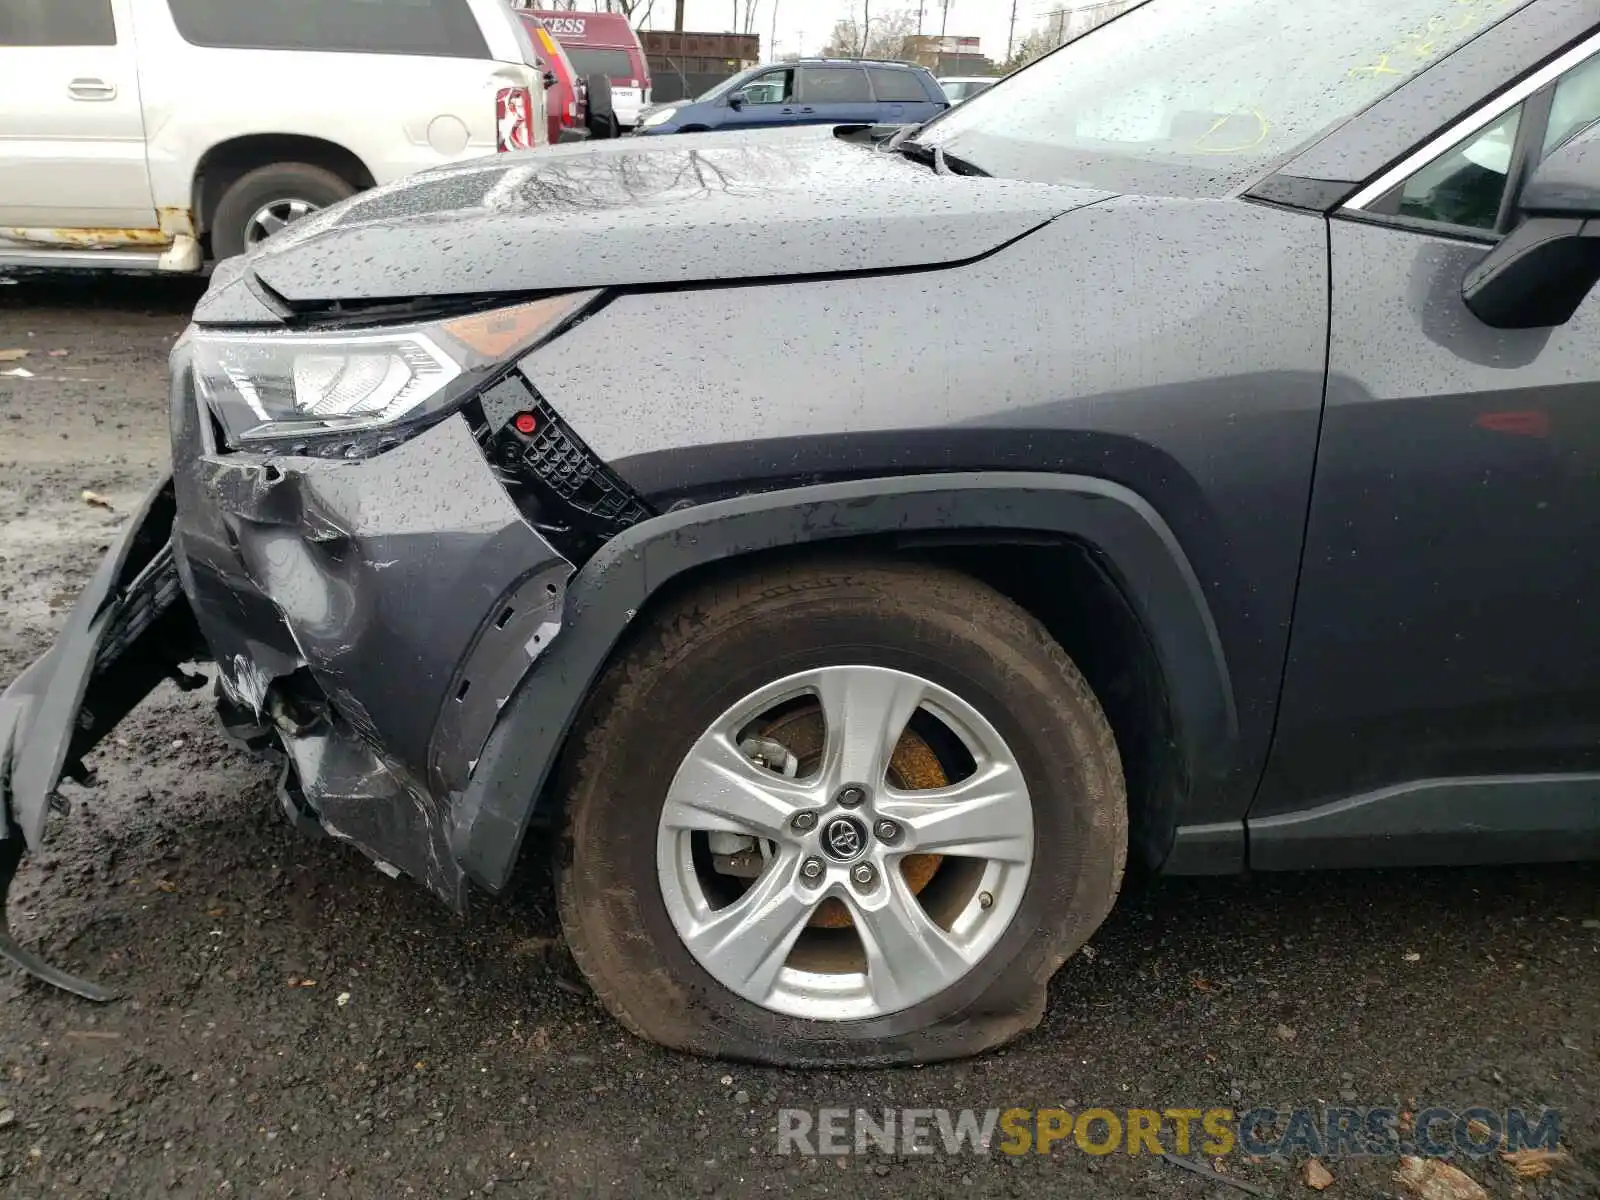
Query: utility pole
{"points": [[772, 46], [1011, 36], [677, 19], [944, 19]]}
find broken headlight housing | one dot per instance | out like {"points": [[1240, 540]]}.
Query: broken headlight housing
{"points": [[265, 386]]}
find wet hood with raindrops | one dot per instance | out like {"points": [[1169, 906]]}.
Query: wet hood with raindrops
{"points": [[647, 212]]}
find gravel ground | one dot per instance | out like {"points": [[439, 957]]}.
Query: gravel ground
{"points": [[294, 1023]]}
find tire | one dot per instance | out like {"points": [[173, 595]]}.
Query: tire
{"points": [[294, 183], [716, 646]]}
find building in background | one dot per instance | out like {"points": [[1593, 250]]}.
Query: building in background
{"points": [[950, 55], [685, 65]]}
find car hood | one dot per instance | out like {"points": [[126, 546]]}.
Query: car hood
{"points": [[635, 212]]}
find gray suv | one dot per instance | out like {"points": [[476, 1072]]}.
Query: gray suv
{"points": [[1182, 455]]}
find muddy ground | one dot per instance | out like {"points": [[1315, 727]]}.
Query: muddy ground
{"points": [[294, 1023]]}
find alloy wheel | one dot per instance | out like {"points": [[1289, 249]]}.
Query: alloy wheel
{"points": [[824, 882]]}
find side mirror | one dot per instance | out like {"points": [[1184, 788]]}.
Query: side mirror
{"points": [[1544, 268], [549, 80], [737, 100]]}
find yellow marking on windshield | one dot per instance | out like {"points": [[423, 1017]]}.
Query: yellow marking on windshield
{"points": [[1263, 127], [1424, 43], [1381, 67]]}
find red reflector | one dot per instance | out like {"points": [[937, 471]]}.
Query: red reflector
{"points": [[1518, 424], [525, 422], [513, 119]]}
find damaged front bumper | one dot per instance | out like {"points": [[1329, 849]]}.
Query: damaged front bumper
{"points": [[368, 618], [130, 630]]}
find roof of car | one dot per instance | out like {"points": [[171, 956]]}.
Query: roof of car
{"points": [[855, 62]]}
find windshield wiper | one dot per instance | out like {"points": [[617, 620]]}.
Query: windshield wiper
{"points": [[940, 159]]}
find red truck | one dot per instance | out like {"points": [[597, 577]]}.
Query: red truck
{"points": [[603, 44], [565, 99]]}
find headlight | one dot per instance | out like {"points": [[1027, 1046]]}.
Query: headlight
{"points": [[657, 118], [278, 385]]}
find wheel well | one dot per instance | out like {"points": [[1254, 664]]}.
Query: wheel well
{"points": [[227, 162], [1063, 585], [1066, 587]]}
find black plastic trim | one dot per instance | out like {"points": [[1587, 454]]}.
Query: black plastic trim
{"points": [[1133, 542], [1295, 191], [1217, 849]]}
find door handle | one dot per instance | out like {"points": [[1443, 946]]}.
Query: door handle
{"points": [[91, 89], [808, 109]]}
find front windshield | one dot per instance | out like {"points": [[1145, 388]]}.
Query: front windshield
{"points": [[1198, 96]]}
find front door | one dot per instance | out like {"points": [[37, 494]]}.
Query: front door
{"points": [[1448, 619], [769, 99], [72, 146]]}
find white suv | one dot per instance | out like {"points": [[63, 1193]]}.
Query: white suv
{"points": [[142, 133]]}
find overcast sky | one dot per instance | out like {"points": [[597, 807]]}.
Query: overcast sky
{"points": [[804, 25]]}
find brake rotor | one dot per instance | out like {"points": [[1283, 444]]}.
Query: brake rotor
{"points": [[913, 767]]}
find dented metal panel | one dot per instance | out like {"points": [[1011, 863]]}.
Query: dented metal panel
{"points": [[369, 595]]}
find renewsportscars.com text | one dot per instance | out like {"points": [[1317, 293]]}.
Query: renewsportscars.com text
{"points": [[1436, 1132]]}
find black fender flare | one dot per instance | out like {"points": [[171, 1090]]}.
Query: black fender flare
{"points": [[1127, 535]]}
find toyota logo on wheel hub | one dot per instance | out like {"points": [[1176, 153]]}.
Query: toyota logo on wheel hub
{"points": [[844, 838]]}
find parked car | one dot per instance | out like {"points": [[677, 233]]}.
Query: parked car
{"points": [[859, 553], [809, 92], [605, 44], [142, 133], [965, 87], [565, 92]]}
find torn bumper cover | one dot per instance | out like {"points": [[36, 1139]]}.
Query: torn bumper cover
{"points": [[368, 619], [130, 630]]}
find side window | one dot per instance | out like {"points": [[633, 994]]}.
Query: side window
{"points": [[897, 87], [1466, 185], [775, 87], [442, 28], [1575, 105], [57, 23], [834, 85]]}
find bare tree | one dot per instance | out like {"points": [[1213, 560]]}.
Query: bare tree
{"points": [[844, 39], [637, 11], [1034, 45], [888, 36], [892, 35]]}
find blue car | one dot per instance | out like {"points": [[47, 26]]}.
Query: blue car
{"points": [[812, 91]]}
